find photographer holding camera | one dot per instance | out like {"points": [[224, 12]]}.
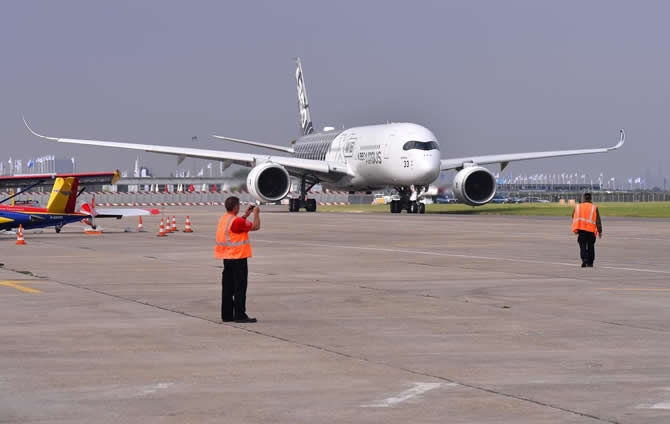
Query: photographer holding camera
{"points": [[233, 246]]}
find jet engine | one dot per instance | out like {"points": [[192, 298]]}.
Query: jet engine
{"points": [[474, 186], [269, 182]]}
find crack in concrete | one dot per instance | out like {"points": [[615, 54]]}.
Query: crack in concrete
{"points": [[348, 355]]}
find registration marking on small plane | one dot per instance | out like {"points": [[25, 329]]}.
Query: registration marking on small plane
{"points": [[18, 286]]}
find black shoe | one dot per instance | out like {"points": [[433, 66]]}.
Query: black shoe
{"points": [[247, 319], [583, 265], [589, 265]]}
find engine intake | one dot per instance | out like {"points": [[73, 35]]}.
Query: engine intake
{"points": [[474, 186], [269, 182]]}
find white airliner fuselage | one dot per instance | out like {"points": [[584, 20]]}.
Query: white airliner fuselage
{"points": [[397, 154], [403, 156]]}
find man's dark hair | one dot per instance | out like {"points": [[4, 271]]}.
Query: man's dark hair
{"points": [[231, 202], [587, 197]]}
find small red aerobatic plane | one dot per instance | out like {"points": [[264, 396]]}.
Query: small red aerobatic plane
{"points": [[60, 209]]}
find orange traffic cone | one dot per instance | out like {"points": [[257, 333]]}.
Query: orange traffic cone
{"points": [[187, 226], [19, 236], [140, 226], [93, 231], [174, 224], [161, 230]]}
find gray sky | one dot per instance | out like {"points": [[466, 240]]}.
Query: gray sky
{"points": [[484, 76]]}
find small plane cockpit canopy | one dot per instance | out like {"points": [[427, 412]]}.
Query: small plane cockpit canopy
{"points": [[421, 145]]}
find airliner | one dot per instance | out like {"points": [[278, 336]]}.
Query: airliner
{"points": [[404, 156]]}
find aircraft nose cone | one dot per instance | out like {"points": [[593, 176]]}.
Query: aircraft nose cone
{"points": [[428, 168]]}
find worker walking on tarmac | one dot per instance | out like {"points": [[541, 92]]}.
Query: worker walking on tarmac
{"points": [[586, 224], [233, 246]]}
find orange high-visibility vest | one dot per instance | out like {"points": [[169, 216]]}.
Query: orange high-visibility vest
{"points": [[584, 218], [230, 245]]}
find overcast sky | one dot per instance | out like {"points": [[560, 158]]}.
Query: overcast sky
{"points": [[484, 76]]}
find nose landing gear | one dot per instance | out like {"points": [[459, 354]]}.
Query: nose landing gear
{"points": [[408, 200]]}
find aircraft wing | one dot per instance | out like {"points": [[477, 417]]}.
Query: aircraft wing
{"points": [[504, 159], [257, 144], [295, 166], [121, 212], [48, 179]]}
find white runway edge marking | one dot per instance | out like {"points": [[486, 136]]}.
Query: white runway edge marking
{"points": [[147, 390], [409, 394], [455, 255], [660, 405]]}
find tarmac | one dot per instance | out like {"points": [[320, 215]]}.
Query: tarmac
{"points": [[363, 318]]}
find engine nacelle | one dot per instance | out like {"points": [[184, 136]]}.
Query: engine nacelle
{"points": [[474, 186], [269, 182]]}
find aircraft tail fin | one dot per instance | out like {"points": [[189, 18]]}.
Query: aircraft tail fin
{"points": [[303, 105], [63, 195]]}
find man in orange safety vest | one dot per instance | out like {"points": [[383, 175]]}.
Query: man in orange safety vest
{"points": [[586, 224], [233, 246]]}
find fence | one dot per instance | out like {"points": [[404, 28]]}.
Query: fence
{"points": [[326, 197], [147, 198], [598, 196]]}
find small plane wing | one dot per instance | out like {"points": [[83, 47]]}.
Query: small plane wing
{"points": [[121, 212], [35, 180], [295, 166], [504, 159], [118, 213]]}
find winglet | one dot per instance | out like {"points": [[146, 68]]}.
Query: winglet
{"points": [[34, 133], [622, 140]]}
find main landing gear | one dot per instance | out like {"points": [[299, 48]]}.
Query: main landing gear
{"points": [[306, 184], [408, 200]]}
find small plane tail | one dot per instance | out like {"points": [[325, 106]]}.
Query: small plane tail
{"points": [[303, 105], [63, 195]]}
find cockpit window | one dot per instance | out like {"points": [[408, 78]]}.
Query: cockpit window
{"points": [[421, 145]]}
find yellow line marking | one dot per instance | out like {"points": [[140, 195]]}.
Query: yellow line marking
{"points": [[16, 285], [634, 289]]}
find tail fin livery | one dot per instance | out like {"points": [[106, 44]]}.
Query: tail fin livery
{"points": [[303, 105], [63, 195], [72, 200]]}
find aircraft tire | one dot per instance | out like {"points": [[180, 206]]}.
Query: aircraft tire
{"points": [[293, 205], [310, 205], [413, 207], [395, 206], [422, 208]]}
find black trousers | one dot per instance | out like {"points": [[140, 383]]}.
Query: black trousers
{"points": [[234, 289], [587, 246]]}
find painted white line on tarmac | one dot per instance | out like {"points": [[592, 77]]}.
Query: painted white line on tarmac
{"points": [[147, 390], [407, 395], [457, 255], [660, 405]]}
